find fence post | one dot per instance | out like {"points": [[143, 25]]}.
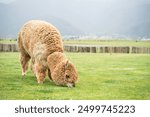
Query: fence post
{"points": [[1, 47], [14, 48], [93, 49], [6, 47]]}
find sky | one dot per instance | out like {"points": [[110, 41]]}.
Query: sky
{"points": [[6, 1], [100, 17], [106, 1]]}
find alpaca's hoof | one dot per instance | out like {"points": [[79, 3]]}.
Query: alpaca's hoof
{"points": [[23, 73], [40, 82]]}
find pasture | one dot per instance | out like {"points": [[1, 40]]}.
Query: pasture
{"points": [[109, 42], [101, 77], [95, 42]]}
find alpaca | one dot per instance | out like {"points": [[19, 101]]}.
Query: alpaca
{"points": [[41, 42]]}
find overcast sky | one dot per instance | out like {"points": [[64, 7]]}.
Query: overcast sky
{"points": [[6, 1], [109, 1], [88, 16]]}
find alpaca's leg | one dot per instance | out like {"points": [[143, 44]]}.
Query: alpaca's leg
{"points": [[32, 66], [49, 74], [24, 63], [40, 72]]}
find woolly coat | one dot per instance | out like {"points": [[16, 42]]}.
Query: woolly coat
{"points": [[42, 42], [39, 39]]}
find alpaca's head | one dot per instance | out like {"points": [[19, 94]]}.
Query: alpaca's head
{"points": [[64, 74]]}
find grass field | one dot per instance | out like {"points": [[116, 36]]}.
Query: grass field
{"points": [[109, 42], [7, 41], [101, 76], [99, 42]]}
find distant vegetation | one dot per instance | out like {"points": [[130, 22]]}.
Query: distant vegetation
{"points": [[96, 42], [110, 42], [8, 41]]}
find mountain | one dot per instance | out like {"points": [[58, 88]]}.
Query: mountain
{"points": [[14, 15], [79, 17]]}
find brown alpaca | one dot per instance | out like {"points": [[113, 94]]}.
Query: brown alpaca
{"points": [[41, 42]]}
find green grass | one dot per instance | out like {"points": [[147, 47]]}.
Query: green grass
{"points": [[98, 42], [109, 42], [8, 41], [101, 76]]}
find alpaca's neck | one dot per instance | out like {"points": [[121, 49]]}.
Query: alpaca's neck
{"points": [[54, 59]]}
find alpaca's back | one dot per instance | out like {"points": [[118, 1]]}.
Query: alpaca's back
{"points": [[39, 38]]}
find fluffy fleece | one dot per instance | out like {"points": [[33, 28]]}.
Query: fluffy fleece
{"points": [[41, 42]]}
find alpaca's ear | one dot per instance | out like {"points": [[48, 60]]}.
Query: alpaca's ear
{"points": [[66, 64]]}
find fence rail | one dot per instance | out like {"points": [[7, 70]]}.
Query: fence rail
{"points": [[87, 49]]}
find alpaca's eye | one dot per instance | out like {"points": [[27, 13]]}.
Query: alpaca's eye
{"points": [[67, 77]]}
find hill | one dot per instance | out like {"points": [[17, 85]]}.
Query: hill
{"points": [[76, 17]]}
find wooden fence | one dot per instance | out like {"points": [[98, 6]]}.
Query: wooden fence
{"points": [[106, 49], [87, 49], [8, 48]]}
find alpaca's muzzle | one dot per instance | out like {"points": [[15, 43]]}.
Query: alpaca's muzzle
{"points": [[70, 85]]}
